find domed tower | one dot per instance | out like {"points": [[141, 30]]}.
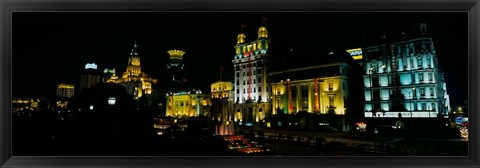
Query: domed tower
{"points": [[241, 36], [251, 90], [262, 32], [175, 68]]}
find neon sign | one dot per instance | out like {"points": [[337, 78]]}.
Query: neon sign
{"points": [[91, 66], [355, 53]]}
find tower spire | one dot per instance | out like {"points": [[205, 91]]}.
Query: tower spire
{"points": [[135, 48], [264, 19]]}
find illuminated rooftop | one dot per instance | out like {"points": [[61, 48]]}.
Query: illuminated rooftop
{"points": [[241, 38], [262, 32], [176, 54], [66, 86]]}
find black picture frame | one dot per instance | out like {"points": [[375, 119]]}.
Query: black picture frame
{"points": [[10, 6]]}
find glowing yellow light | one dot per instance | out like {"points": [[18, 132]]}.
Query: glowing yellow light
{"points": [[241, 38], [66, 86], [355, 53], [262, 32], [176, 54]]}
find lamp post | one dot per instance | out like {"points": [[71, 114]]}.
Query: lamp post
{"points": [[371, 91], [411, 100]]}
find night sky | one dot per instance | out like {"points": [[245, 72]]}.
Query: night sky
{"points": [[52, 48]]}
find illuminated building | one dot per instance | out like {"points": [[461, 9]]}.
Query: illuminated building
{"points": [[64, 93], [188, 104], [109, 75], [222, 89], [251, 90], [19, 104], [65, 90], [175, 69], [90, 76], [402, 78], [316, 89], [222, 107], [136, 82]]}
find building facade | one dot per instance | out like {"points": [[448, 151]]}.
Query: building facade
{"points": [[19, 104], [222, 107], [65, 90], [251, 88], [136, 82], [318, 89], [188, 104], [402, 79], [64, 93], [90, 76]]}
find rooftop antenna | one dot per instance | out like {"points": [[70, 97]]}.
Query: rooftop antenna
{"points": [[221, 70], [243, 27], [264, 19]]}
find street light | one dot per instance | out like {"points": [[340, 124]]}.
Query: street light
{"points": [[111, 100], [411, 100], [371, 91]]}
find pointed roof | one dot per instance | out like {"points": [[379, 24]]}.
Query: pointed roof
{"points": [[134, 49]]}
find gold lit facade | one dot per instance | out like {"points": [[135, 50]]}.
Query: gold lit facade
{"points": [[19, 104], [65, 90], [327, 93], [222, 89], [136, 82], [222, 107], [188, 104]]}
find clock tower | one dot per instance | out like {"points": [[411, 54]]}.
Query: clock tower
{"points": [[133, 67], [136, 82]]}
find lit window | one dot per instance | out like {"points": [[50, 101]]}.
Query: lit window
{"points": [[330, 86]]}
